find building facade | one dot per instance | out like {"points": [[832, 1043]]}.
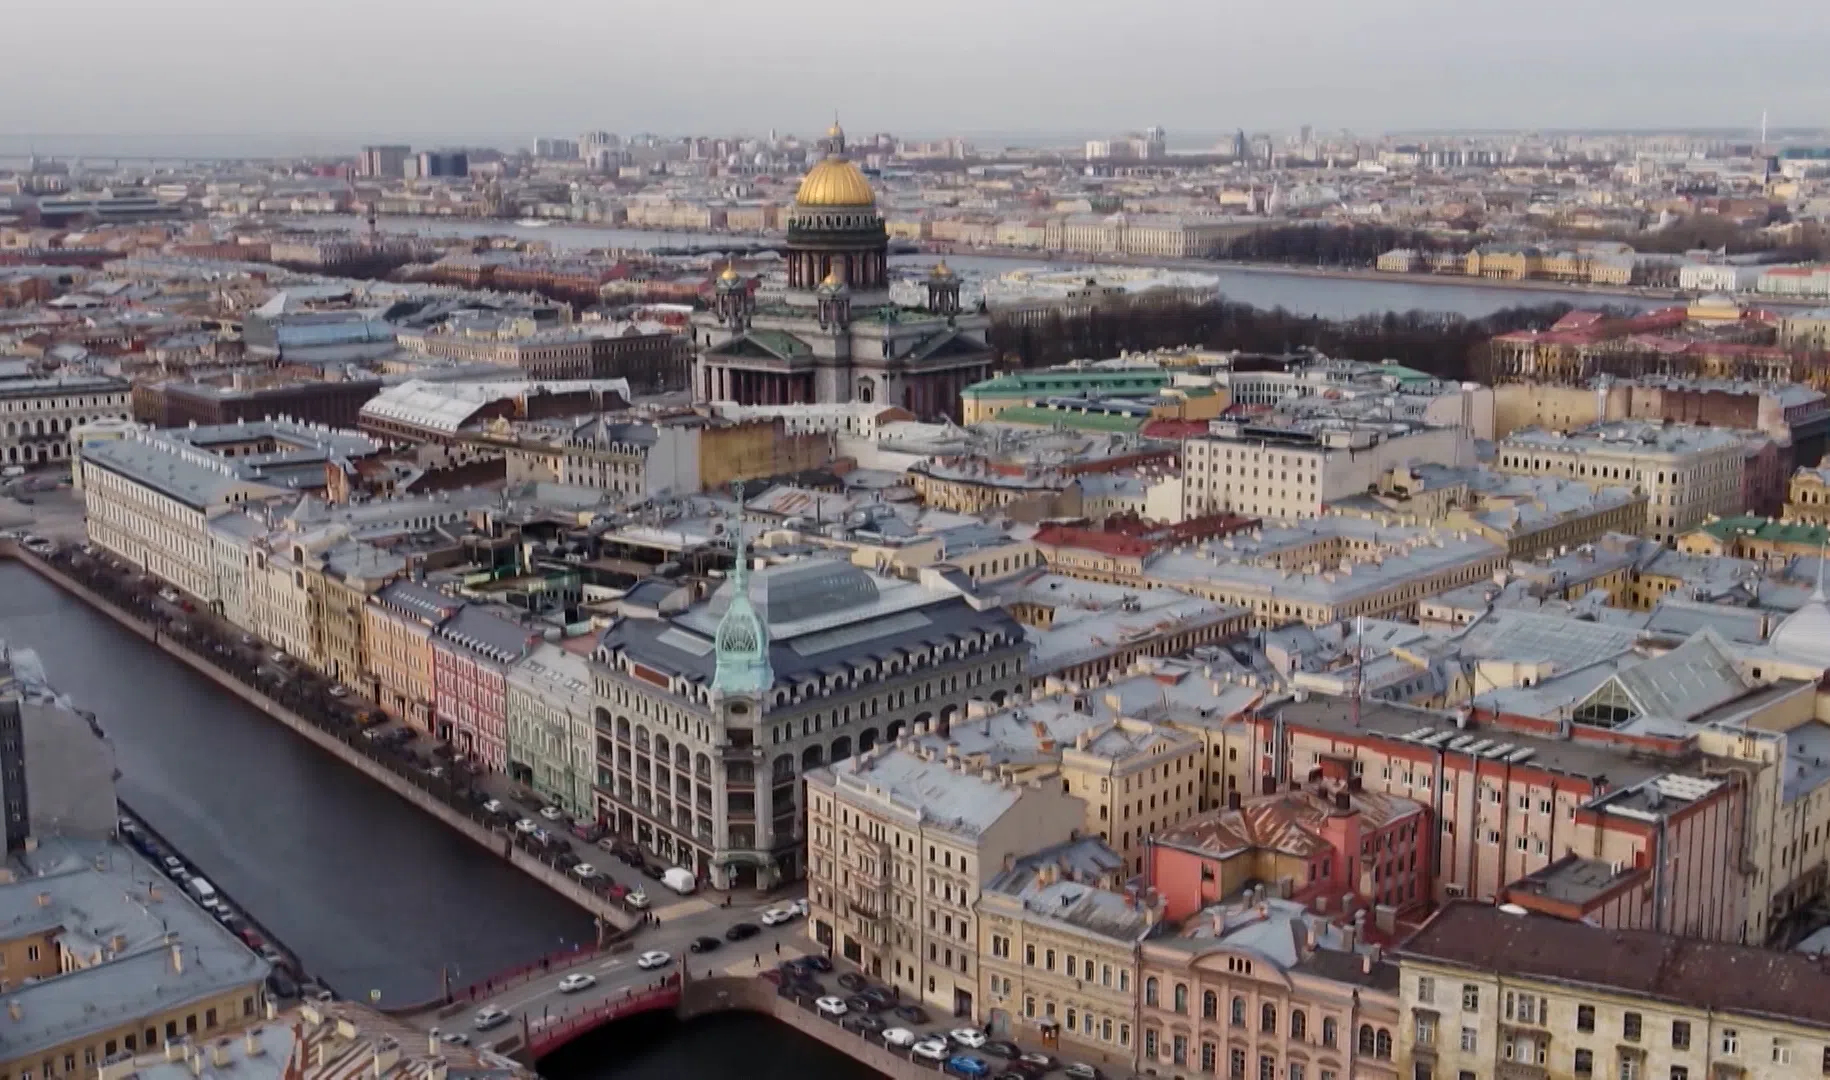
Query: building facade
{"points": [[551, 744]]}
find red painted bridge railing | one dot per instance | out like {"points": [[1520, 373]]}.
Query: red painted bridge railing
{"points": [[555, 1035]]}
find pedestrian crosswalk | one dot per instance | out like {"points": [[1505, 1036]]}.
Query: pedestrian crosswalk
{"points": [[683, 909]]}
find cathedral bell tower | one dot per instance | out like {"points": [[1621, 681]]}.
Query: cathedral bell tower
{"points": [[943, 289], [732, 301]]}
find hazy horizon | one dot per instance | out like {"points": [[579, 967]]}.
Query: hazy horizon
{"points": [[137, 77]]}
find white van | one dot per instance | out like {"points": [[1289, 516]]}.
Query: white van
{"points": [[679, 880], [203, 891]]}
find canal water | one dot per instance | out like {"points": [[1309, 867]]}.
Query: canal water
{"points": [[722, 1046], [1266, 287], [368, 892]]}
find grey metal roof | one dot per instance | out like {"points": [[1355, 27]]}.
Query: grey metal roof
{"points": [[99, 898]]}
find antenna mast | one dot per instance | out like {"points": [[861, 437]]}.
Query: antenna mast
{"points": [[1359, 665]]}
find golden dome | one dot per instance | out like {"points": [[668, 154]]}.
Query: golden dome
{"points": [[941, 270], [834, 131], [835, 182], [832, 281], [730, 273]]}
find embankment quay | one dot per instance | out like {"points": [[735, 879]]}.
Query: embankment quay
{"points": [[360, 870]]}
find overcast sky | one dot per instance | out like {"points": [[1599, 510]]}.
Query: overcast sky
{"points": [[416, 69]]}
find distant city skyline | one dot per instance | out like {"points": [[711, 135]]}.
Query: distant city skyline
{"points": [[211, 72]]}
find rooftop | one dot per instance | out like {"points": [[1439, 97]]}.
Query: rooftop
{"points": [[1691, 974]]}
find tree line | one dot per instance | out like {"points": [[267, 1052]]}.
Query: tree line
{"points": [[1443, 345], [1332, 245]]}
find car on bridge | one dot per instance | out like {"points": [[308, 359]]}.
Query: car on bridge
{"points": [[648, 961], [584, 871], [526, 827], [898, 1036], [932, 1049], [577, 981], [1077, 1071], [637, 898], [831, 1006], [489, 1017], [552, 813], [968, 1066], [970, 1038]]}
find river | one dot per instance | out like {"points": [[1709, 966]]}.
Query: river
{"points": [[369, 892], [1264, 287]]}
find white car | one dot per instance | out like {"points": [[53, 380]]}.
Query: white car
{"points": [[339, 691], [970, 1038], [489, 1016], [776, 916], [584, 871], [173, 863], [832, 1006], [932, 1049], [799, 907], [493, 806], [572, 984], [899, 1037], [648, 961], [454, 1038], [636, 899], [170, 596], [526, 827], [551, 813]]}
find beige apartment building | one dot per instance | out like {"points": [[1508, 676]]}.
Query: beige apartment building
{"points": [[1136, 778], [151, 503], [1492, 992], [1687, 473], [397, 629], [1294, 471], [1058, 939], [900, 844]]}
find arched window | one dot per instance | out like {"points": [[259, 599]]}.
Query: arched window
{"points": [[1238, 1012], [1383, 1046], [1299, 1024], [1181, 1005], [1366, 1039], [1329, 1031], [1267, 1019], [1210, 1006], [1150, 991]]}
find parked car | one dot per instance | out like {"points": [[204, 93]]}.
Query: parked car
{"points": [[742, 930], [588, 831], [489, 1017], [968, 1066], [898, 1036], [170, 596], [856, 1003], [552, 813], [799, 907], [970, 1038], [584, 871], [577, 981], [526, 827], [636, 899], [914, 1014], [454, 1038], [851, 980], [932, 1049], [831, 1006], [1075, 1070], [1037, 1061], [1000, 1048], [879, 998], [648, 961], [816, 962], [863, 1023], [705, 944]]}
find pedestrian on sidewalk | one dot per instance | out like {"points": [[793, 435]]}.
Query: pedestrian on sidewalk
{"points": [[778, 948], [759, 960]]}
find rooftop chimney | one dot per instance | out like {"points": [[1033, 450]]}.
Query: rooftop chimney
{"points": [[1370, 959], [177, 959], [1232, 799], [219, 1053], [251, 1042], [14, 1010]]}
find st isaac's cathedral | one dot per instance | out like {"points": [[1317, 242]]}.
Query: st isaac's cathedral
{"points": [[834, 334]]}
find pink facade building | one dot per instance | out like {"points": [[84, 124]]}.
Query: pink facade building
{"points": [[1263, 990], [471, 656]]}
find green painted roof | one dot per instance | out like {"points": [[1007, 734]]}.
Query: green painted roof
{"points": [[1058, 381], [1776, 532], [1405, 374], [1079, 421]]}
